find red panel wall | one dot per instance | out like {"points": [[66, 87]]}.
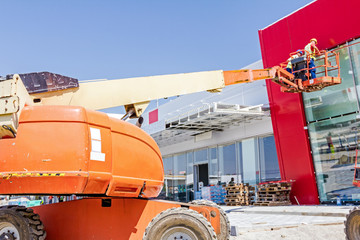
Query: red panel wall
{"points": [[332, 22], [154, 116]]}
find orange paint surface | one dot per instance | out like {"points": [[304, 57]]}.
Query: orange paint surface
{"points": [[55, 152], [126, 218]]}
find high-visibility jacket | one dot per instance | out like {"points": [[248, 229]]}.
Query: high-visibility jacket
{"points": [[289, 60], [308, 49]]}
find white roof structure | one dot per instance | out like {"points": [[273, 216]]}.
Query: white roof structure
{"points": [[191, 115]]}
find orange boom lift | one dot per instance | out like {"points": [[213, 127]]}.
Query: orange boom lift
{"points": [[53, 142]]}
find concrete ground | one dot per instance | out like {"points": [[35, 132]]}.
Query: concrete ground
{"points": [[287, 222]]}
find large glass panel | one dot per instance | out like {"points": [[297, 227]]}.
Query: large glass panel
{"points": [[189, 177], [168, 189], [240, 162], [213, 170], [201, 156], [179, 177], [201, 163], [355, 61], [333, 145], [249, 156], [269, 165], [335, 100], [227, 163]]}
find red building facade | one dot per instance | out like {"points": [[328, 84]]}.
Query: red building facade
{"points": [[332, 22]]}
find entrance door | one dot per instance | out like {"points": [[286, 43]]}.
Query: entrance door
{"points": [[201, 174], [204, 174]]}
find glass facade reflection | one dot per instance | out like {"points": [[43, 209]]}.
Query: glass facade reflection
{"points": [[251, 161], [227, 162], [241, 160], [269, 167], [333, 124], [168, 190], [335, 100], [180, 177], [213, 166]]}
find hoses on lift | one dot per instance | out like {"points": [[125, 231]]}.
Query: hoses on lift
{"points": [[9, 129]]}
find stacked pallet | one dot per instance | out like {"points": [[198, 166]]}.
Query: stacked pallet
{"points": [[239, 194], [273, 194]]}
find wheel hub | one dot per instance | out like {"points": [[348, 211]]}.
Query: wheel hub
{"points": [[8, 231], [179, 233], [7, 236]]}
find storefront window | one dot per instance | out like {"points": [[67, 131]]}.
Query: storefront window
{"points": [[201, 169], [333, 144], [213, 171], [335, 100], [227, 163], [269, 165], [184, 171], [240, 162], [250, 159], [200, 156], [179, 177], [168, 189], [189, 177]]}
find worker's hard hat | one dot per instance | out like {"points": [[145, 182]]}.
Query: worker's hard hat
{"points": [[313, 39], [299, 51]]}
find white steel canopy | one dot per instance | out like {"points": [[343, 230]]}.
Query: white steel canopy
{"points": [[209, 117]]}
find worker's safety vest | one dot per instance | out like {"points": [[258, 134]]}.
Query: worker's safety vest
{"points": [[308, 50], [289, 60]]}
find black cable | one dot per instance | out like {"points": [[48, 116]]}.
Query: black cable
{"points": [[9, 129]]}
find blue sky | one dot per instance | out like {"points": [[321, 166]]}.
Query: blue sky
{"points": [[128, 38]]}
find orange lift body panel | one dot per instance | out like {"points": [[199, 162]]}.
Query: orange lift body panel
{"points": [[123, 219], [71, 150]]}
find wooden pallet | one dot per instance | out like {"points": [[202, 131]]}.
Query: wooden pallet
{"points": [[274, 189], [269, 203], [233, 204], [273, 194], [265, 199], [239, 194], [267, 194]]}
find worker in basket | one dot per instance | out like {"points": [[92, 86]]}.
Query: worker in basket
{"points": [[312, 50], [299, 53]]}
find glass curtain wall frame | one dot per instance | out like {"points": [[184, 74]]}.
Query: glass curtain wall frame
{"points": [[200, 157], [335, 100], [227, 163], [250, 158], [189, 176], [179, 182], [213, 166], [354, 50], [333, 116], [269, 165], [333, 144], [239, 162], [168, 188]]}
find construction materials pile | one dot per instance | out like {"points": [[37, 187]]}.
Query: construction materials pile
{"points": [[215, 194], [273, 194], [240, 194]]}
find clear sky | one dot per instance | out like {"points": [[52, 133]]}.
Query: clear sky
{"points": [[128, 38]]}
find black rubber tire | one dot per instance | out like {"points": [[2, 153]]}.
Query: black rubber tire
{"points": [[26, 222], [180, 220], [224, 220], [352, 224]]}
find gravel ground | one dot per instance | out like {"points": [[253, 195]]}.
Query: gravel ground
{"points": [[290, 222], [333, 231]]}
